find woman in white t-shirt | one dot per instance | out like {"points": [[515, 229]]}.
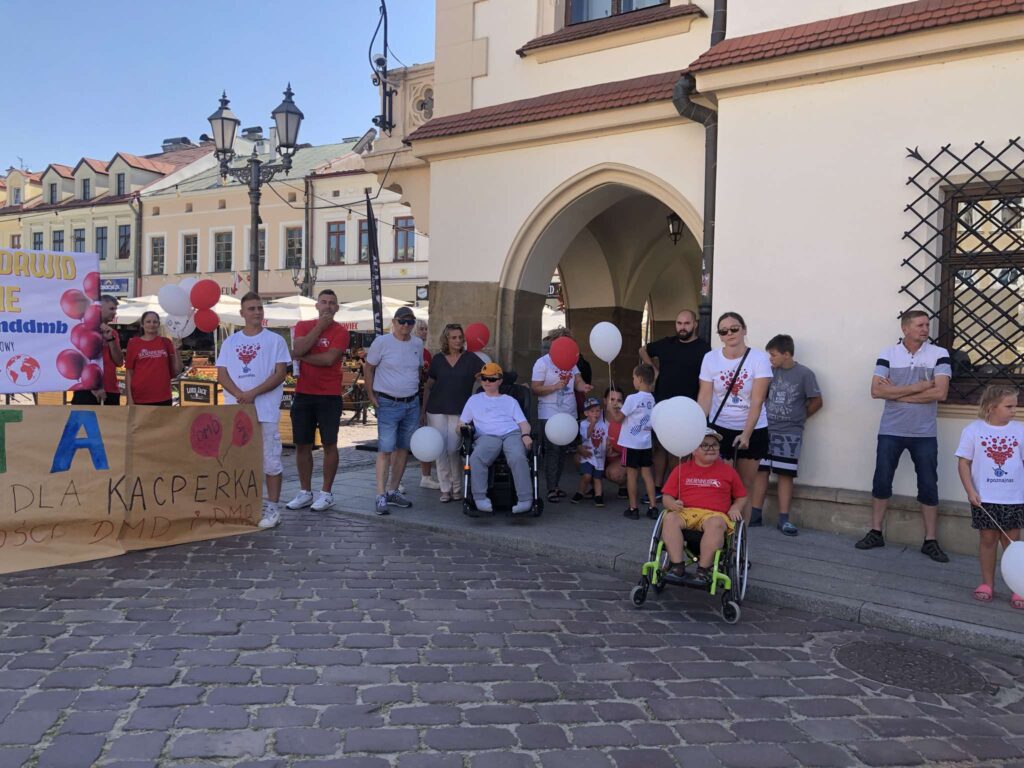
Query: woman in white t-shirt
{"points": [[991, 469], [733, 386]]}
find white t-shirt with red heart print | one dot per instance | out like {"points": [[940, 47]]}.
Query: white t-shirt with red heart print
{"points": [[719, 370]]}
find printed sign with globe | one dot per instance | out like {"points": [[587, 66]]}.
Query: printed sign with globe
{"points": [[22, 370]]}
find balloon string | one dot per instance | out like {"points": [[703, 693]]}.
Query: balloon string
{"points": [[996, 523]]}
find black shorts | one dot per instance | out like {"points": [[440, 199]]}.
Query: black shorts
{"points": [[85, 397], [312, 411], [637, 458], [758, 448]]}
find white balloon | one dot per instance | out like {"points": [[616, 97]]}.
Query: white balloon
{"points": [[561, 429], [1012, 567], [606, 341], [179, 327], [186, 285], [483, 356], [680, 425], [174, 300], [426, 444]]}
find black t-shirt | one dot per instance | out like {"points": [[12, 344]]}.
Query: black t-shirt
{"points": [[678, 366], [452, 384]]}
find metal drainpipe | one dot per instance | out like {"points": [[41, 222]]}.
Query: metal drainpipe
{"points": [[138, 242], [309, 234], [682, 98]]}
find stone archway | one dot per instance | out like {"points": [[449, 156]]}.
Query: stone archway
{"points": [[605, 229]]}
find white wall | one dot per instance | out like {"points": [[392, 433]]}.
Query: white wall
{"points": [[811, 197], [747, 17]]}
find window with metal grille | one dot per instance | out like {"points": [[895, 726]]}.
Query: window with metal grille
{"points": [[968, 260], [190, 251], [100, 242], [364, 242], [156, 256], [405, 238], [222, 251], [124, 241], [37, 241], [57, 240], [78, 240], [292, 247], [336, 242], [261, 246]]}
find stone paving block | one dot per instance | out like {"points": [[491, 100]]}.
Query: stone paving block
{"points": [[281, 717], [137, 746], [220, 744], [430, 761], [937, 750], [705, 733], [642, 758], [14, 757], [542, 736], [986, 748], [499, 714], [501, 760], [381, 739], [288, 676], [48, 700], [606, 735], [767, 731], [566, 713], [885, 753], [236, 675], [426, 714], [444, 693], [89, 722], [26, 727], [214, 717], [525, 692], [815, 755], [67, 751], [753, 756], [468, 738], [138, 677], [254, 694], [687, 709], [306, 741], [152, 719], [583, 758]]}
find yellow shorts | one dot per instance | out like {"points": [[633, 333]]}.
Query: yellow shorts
{"points": [[693, 518]]}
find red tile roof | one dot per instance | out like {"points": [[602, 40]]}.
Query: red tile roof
{"points": [[74, 202], [611, 24], [144, 163], [577, 101], [62, 170], [36, 176], [855, 28], [179, 158], [99, 166]]}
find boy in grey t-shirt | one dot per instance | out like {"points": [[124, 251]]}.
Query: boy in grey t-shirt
{"points": [[793, 397]]}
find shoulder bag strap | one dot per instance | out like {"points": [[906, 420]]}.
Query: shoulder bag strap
{"points": [[732, 383]]}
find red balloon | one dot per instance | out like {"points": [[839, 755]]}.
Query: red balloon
{"points": [[92, 317], [242, 429], [206, 320], [88, 342], [204, 295], [91, 285], [92, 377], [564, 353], [74, 303], [426, 357], [70, 363], [205, 435], [477, 336]]}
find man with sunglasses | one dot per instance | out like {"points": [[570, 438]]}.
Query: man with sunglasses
{"points": [[392, 375], [500, 427]]}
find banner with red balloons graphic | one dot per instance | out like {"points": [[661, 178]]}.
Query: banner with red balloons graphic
{"points": [[49, 322]]}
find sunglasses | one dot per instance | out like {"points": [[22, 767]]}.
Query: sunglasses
{"points": [[730, 329], [406, 321], [709, 446], [490, 378]]}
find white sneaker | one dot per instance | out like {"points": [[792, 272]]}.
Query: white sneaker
{"points": [[302, 499], [400, 488], [522, 507], [324, 500], [426, 481], [484, 505], [271, 517]]}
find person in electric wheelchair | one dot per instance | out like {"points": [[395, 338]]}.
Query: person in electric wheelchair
{"points": [[498, 426]]}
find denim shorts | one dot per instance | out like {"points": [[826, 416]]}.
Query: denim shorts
{"points": [[395, 423], [924, 452], [587, 469]]}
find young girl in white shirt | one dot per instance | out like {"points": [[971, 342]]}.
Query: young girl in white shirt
{"points": [[992, 472]]}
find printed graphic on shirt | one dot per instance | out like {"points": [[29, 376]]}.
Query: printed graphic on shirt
{"points": [[783, 399], [737, 389], [644, 424], [149, 354], [703, 482], [247, 353], [597, 435], [1000, 449]]}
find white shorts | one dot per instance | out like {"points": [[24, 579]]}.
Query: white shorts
{"points": [[271, 448]]}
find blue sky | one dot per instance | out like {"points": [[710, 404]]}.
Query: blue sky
{"points": [[90, 79]]}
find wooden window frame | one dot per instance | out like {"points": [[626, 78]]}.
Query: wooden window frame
{"points": [[364, 232], [338, 256], [292, 259], [616, 11], [185, 253], [408, 232]]}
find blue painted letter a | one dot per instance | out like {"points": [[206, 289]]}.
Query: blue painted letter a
{"points": [[70, 442]]}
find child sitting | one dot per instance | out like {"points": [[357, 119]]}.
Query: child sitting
{"points": [[592, 450], [706, 494], [500, 427]]}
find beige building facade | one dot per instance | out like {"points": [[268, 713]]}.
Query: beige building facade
{"points": [[848, 164]]}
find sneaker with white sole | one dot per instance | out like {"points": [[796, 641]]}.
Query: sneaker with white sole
{"points": [[324, 500], [397, 499], [271, 517], [382, 505], [426, 481], [401, 488], [522, 507], [302, 499]]}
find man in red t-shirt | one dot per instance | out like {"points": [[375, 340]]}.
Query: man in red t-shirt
{"points": [[703, 494], [110, 394], [318, 346]]}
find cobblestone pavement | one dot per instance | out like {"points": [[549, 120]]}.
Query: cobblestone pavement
{"points": [[339, 642]]}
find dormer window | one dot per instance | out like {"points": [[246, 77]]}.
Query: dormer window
{"points": [[578, 11], [86, 189], [53, 194], [16, 196], [120, 184]]}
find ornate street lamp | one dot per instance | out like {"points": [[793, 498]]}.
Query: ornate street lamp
{"points": [[675, 227], [256, 172], [305, 278]]}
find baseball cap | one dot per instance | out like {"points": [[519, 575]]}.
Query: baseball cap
{"points": [[709, 432], [590, 402], [403, 313], [490, 369]]}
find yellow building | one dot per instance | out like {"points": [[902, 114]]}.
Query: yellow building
{"points": [[21, 192]]}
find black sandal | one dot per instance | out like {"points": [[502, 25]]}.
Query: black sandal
{"points": [[676, 573], [553, 497]]}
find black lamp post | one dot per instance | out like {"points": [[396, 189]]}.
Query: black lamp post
{"points": [[255, 173], [305, 279], [675, 227]]}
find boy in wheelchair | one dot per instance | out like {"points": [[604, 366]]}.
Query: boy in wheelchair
{"points": [[500, 427], [704, 494]]}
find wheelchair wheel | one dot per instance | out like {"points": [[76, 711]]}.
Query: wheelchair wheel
{"points": [[538, 508], [730, 611], [639, 594], [740, 563]]}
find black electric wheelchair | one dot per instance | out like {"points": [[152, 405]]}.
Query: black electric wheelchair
{"points": [[501, 488], [727, 576]]}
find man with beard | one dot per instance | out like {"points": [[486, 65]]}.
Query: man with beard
{"points": [[676, 360]]}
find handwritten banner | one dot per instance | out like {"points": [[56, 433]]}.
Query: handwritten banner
{"points": [[86, 482], [49, 322]]}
